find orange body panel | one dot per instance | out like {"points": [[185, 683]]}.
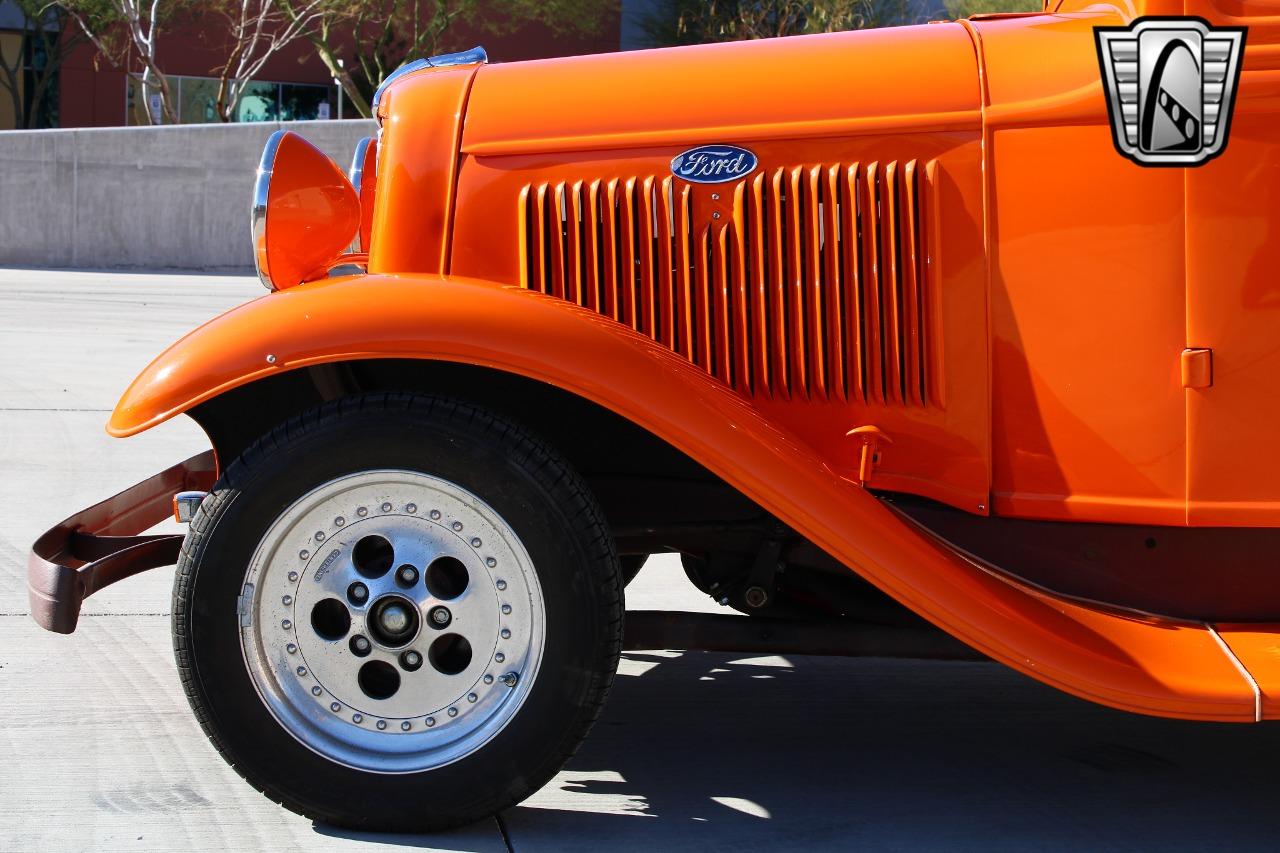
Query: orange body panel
{"points": [[1233, 299], [1087, 291], [416, 170], [939, 248], [1047, 296], [802, 88], [1155, 667], [911, 151], [1103, 272]]}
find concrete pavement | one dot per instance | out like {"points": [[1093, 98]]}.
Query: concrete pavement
{"points": [[98, 749]]}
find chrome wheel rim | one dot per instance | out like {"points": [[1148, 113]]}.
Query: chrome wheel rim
{"points": [[392, 621]]}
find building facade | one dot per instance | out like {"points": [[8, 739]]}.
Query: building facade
{"points": [[86, 91]]}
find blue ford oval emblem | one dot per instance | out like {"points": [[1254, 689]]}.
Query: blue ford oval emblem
{"points": [[713, 164]]}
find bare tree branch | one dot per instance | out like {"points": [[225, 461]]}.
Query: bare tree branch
{"points": [[392, 32], [142, 24], [259, 29]]}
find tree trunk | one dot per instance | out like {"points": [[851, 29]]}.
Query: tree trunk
{"points": [[13, 82], [356, 99], [226, 101]]}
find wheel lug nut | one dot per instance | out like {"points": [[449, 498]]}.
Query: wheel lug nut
{"points": [[411, 660], [405, 726], [407, 576], [440, 616], [358, 593], [360, 645]]}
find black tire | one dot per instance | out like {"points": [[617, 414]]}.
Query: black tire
{"points": [[537, 495]]}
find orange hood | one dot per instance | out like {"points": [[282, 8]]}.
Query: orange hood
{"points": [[807, 86]]}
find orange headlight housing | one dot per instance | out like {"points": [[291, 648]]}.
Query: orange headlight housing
{"points": [[305, 212]]}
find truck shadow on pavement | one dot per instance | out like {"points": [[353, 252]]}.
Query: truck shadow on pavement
{"points": [[714, 751]]}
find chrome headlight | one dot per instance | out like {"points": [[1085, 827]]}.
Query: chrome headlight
{"points": [[364, 178], [258, 225], [305, 212]]}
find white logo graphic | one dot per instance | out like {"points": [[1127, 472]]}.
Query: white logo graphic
{"points": [[1170, 86]]}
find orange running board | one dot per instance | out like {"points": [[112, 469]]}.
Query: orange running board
{"points": [[1128, 661]]}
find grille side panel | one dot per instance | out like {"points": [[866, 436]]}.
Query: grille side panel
{"points": [[815, 286], [784, 297]]}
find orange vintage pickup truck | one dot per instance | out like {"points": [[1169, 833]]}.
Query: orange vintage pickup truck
{"points": [[956, 340]]}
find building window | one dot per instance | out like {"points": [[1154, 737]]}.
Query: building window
{"points": [[11, 45], [196, 101], [259, 102], [28, 53]]}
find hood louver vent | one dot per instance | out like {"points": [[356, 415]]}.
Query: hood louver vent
{"points": [[817, 286]]}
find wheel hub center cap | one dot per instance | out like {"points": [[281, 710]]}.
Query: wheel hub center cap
{"points": [[394, 621]]}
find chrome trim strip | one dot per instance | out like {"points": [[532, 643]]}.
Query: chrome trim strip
{"points": [[475, 55], [1248, 676], [407, 68], [258, 212], [356, 172]]}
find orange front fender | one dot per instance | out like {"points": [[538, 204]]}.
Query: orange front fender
{"points": [[1174, 669]]}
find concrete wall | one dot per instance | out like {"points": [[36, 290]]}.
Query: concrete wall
{"points": [[141, 197]]}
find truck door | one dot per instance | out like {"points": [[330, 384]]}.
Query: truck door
{"points": [[1233, 294]]}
